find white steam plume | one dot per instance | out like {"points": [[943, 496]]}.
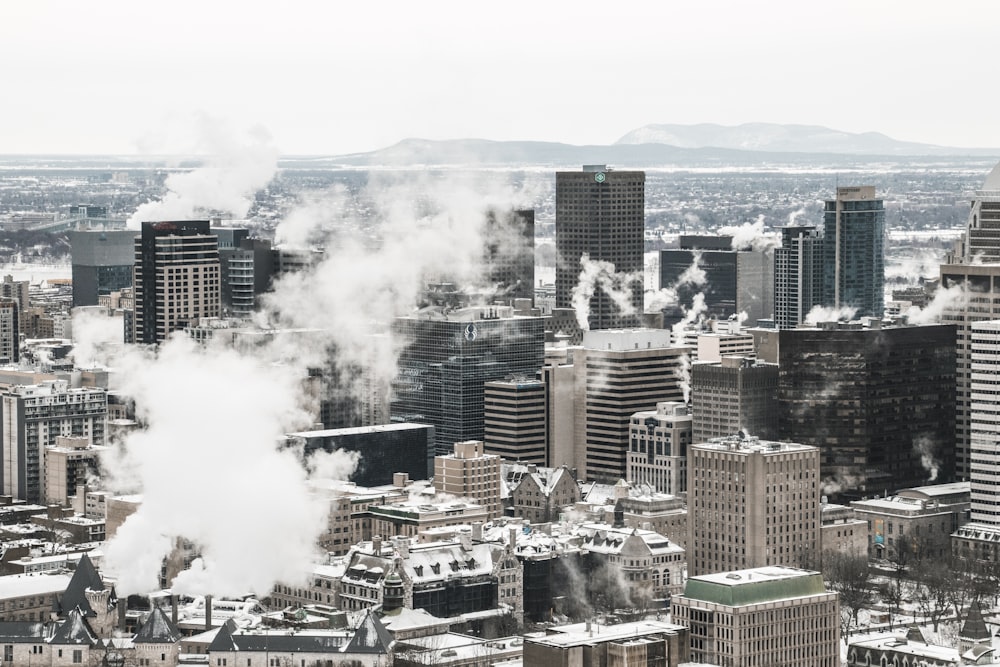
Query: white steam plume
{"points": [[94, 335], [237, 167], [820, 314], [667, 296], [210, 471], [926, 448], [795, 215], [683, 372], [751, 236], [944, 298], [600, 275]]}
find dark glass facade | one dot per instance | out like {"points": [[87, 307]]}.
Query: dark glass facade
{"points": [[853, 252], [879, 403]]}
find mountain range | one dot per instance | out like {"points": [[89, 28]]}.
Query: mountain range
{"points": [[666, 144]]}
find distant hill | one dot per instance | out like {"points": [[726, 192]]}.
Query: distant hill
{"points": [[772, 137]]}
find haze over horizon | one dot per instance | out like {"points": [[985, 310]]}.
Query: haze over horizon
{"points": [[115, 79]]}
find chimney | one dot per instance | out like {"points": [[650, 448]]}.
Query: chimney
{"points": [[402, 546], [465, 538], [377, 545], [477, 531], [513, 536], [208, 612], [173, 609], [400, 479]]}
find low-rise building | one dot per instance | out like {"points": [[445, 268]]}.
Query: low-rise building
{"points": [[537, 494], [919, 521], [841, 531], [762, 616], [593, 644]]}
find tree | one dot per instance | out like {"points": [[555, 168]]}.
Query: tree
{"points": [[933, 590], [848, 574]]}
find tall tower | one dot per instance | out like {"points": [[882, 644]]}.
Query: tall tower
{"points": [[515, 422], [752, 503], [176, 277], [509, 254], [982, 241], [601, 213], [798, 275], [10, 331], [449, 358], [732, 395], [619, 373], [853, 251]]}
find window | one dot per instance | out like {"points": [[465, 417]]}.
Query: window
{"points": [[77, 657]]}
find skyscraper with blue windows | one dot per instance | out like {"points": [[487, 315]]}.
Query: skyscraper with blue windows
{"points": [[853, 251]]}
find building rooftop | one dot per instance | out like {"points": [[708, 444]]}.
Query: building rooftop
{"points": [[755, 585], [748, 443], [584, 634]]}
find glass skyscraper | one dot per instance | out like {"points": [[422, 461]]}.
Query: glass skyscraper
{"points": [[853, 251]]}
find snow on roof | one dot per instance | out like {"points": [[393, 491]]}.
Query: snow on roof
{"points": [[20, 585]]}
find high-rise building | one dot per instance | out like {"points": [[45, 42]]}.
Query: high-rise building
{"points": [[601, 213], [509, 254], [68, 465], [853, 251], [658, 444], [33, 418], [619, 373], [736, 394], [246, 271], [514, 416], [448, 359], [10, 331], [469, 472], [102, 263], [752, 503], [736, 280], [798, 275], [981, 244], [761, 616], [877, 401], [176, 278]]}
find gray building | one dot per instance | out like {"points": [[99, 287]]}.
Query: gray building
{"points": [[798, 275], [853, 251], [601, 213], [101, 263], [736, 394], [449, 357]]}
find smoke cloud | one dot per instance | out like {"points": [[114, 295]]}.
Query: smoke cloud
{"points": [[237, 167], [751, 236], [944, 298], [209, 460], [820, 314], [926, 448], [598, 274]]}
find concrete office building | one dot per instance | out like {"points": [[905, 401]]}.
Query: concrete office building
{"points": [[101, 263], [470, 473], [33, 418], [752, 503], [619, 373], [592, 644], [246, 266], [600, 213], [726, 339], [798, 275], [737, 280], [176, 278], [853, 251], [981, 244], [448, 360], [761, 616], [514, 420], [658, 445], [877, 400], [68, 465], [10, 331], [736, 394]]}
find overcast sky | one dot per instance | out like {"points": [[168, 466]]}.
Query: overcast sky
{"points": [[122, 76]]}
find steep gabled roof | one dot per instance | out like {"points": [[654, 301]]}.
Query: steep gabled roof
{"points": [[224, 638], [370, 637], [85, 577], [974, 627], [157, 629], [74, 631]]}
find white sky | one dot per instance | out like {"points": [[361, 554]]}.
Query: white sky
{"points": [[126, 76]]}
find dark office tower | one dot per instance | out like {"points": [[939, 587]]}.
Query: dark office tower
{"points": [[798, 275], [980, 284], [879, 402], [601, 213], [102, 263], [448, 359], [176, 277], [738, 394], [853, 251], [736, 281], [509, 254]]}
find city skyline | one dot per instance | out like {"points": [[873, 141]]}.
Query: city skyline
{"points": [[114, 79]]}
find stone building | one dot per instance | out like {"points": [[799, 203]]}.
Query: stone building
{"points": [[537, 494]]}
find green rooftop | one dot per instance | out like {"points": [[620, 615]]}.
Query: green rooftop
{"points": [[744, 587]]}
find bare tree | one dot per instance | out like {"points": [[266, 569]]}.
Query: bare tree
{"points": [[848, 574], [932, 590]]}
